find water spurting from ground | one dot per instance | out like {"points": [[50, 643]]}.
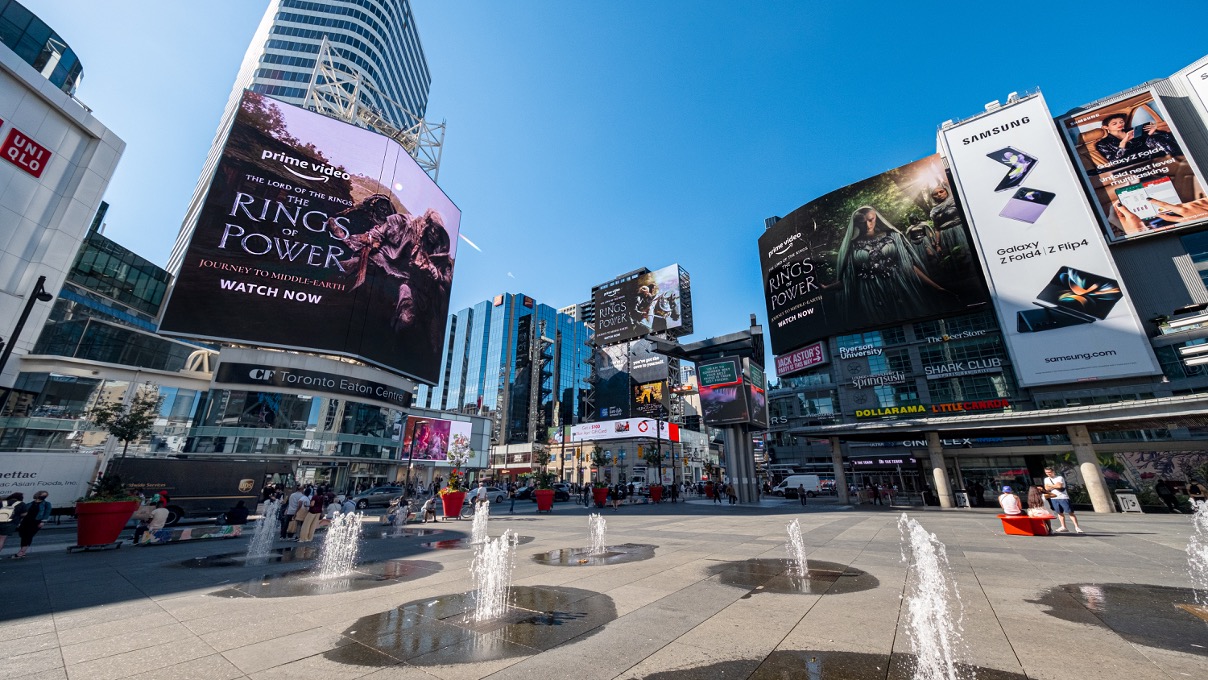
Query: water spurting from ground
{"points": [[1197, 555], [932, 604], [341, 546], [491, 571], [267, 528], [482, 515], [796, 549], [596, 528]]}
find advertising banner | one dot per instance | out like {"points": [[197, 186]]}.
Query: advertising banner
{"points": [[318, 235], [64, 475], [883, 251], [267, 375], [1134, 167], [723, 394], [801, 360], [621, 370], [1197, 80], [625, 428], [1063, 311], [650, 399], [757, 394], [654, 302], [432, 438]]}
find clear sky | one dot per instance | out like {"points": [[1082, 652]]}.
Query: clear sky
{"points": [[586, 139]]}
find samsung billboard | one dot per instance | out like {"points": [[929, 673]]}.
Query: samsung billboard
{"points": [[318, 235], [1063, 311], [1133, 164], [653, 302], [883, 251]]}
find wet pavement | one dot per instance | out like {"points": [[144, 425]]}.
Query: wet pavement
{"points": [[1154, 616], [389, 532], [814, 665], [464, 543], [583, 557], [780, 576], [303, 553], [301, 583], [441, 630]]}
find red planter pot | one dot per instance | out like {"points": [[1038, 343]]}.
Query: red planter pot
{"points": [[102, 523], [656, 494], [451, 503], [545, 500], [600, 496]]}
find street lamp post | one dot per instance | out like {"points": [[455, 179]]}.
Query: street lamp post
{"points": [[38, 295]]}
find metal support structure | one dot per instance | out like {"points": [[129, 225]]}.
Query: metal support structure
{"points": [[939, 473], [338, 91], [39, 294]]}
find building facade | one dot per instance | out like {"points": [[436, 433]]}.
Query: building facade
{"points": [[523, 364], [375, 39], [959, 405], [38, 45]]}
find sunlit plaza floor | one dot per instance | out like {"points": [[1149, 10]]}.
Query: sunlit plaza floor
{"points": [[701, 592]]}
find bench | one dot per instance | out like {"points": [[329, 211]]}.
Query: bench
{"points": [[179, 534], [1025, 525]]}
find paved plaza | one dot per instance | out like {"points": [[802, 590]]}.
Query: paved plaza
{"points": [[710, 599]]}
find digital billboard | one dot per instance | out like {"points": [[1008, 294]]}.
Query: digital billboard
{"points": [[757, 394], [1063, 311], [318, 235], [883, 251], [1134, 167], [801, 360], [626, 428], [723, 394], [654, 302], [620, 371], [431, 438]]}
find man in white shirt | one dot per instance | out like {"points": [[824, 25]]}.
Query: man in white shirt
{"points": [[480, 496], [296, 499], [1060, 502], [1009, 502]]}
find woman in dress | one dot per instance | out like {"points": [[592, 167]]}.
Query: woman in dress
{"points": [[882, 277], [30, 518]]}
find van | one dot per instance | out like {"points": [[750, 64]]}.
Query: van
{"points": [[788, 487]]}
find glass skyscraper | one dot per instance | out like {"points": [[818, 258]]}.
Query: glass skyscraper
{"points": [[376, 39], [514, 360]]}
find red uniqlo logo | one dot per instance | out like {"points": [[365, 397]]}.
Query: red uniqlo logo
{"points": [[25, 153]]}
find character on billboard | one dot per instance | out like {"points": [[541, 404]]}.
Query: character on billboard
{"points": [[413, 251], [1120, 141], [654, 309], [881, 276], [926, 242], [949, 222]]}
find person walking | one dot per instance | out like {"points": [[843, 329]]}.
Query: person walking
{"points": [[732, 493], [801, 494], [8, 524], [1060, 502], [306, 533], [875, 491], [1166, 494], [512, 498], [30, 518], [717, 491], [292, 506]]}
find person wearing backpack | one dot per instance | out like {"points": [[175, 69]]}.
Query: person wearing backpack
{"points": [[30, 518], [7, 526]]}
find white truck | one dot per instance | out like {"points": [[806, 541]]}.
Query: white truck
{"points": [[788, 486]]}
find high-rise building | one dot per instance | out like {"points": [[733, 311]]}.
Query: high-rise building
{"points": [[39, 46], [518, 362], [376, 40]]}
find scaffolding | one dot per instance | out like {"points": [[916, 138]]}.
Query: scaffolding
{"points": [[339, 92]]}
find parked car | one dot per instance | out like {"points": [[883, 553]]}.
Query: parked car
{"points": [[497, 494], [378, 496]]}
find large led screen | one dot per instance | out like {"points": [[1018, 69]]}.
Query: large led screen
{"points": [[655, 302], [723, 393], [1133, 163], [431, 438], [1062, 308], [319, 235], [883, 251], [622, 370]]}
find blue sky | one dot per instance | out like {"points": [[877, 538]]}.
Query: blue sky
{"points": [[588, 139]]}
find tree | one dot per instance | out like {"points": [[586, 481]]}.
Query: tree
{"points": [[128, 423], [542, 477], [599, 459], [654, 456]]}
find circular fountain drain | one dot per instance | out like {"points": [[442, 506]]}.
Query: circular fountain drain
{"points": [[306, 582], [462, 543], [779, 576], [441, 630], [298, 553], [1153, 616], [583, 557]]}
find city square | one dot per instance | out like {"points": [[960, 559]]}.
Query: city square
{"points": [[711, 601]]}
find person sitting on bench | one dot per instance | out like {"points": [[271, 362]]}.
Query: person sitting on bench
{"points": [[1009, 502]]}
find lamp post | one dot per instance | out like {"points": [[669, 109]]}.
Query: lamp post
{"points": [[38, 295]]}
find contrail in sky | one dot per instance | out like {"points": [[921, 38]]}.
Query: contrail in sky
{"points": [[472, 244]]}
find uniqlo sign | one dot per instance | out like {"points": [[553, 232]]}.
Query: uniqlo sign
{"points": [[25, 153]]}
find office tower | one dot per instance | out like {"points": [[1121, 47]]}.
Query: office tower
{"points": [[375, 39]]}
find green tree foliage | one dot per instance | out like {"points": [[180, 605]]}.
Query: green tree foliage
{"points": [[128, 423]]}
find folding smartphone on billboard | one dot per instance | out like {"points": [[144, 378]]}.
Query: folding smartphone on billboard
{"points": [[1072, 297], [1027, 205], [1019, 166], [1135, 199]]}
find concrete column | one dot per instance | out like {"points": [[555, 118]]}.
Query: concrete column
{"points": [[730, 437], [1088, 465], [841, 489], [748, 461], [939, 473]]}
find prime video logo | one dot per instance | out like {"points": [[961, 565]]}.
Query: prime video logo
{"points": [[322, 171], [783, 246]]}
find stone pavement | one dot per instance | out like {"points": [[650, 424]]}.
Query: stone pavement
{"points": [[711, 601]]}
